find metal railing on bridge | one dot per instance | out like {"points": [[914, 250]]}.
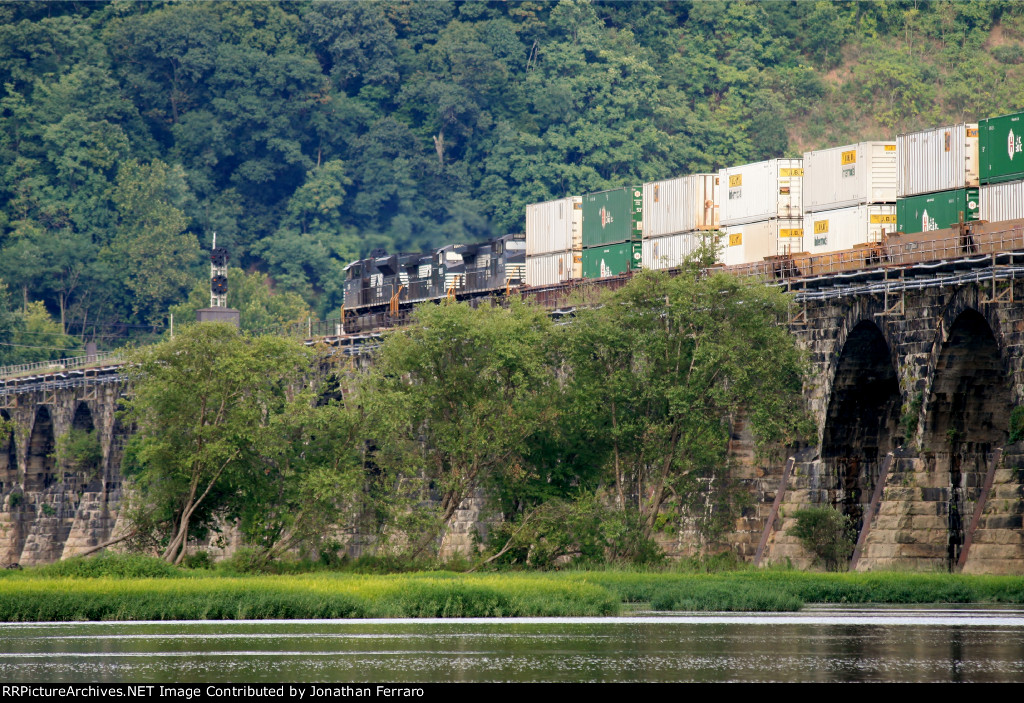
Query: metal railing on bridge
{"points": [[56, 365]]}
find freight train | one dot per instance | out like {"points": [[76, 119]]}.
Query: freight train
{"points": [[387, 282], [925, 197]]}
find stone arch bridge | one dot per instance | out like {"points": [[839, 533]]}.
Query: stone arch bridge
{"points": [[917, 380]]}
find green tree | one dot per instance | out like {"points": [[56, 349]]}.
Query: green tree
{"points": [[313, 459], [151, 247], [201, 403], [662, 371], [452, 400]]}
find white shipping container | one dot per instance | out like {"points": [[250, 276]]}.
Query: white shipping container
{"points": [[844, 228], [761, 191], [681, 205], [844, 176], [754, 241], [935, 160], [1002, 201], [556, 225], [671, 251], [549, 269]]}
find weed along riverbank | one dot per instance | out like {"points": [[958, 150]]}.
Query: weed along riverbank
{"points": [[134, 588]]}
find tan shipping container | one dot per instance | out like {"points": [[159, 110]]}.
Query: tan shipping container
{"points": [[1000, 202], [681, 205], [554, 226], [672, 250], [754, 241], [549, 269], [845, 228], [762, 191], [846, 176], [937, 160]]}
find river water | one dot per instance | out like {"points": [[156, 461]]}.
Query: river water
{"points": [[965, 643]]}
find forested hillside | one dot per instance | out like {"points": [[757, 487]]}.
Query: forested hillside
{"points": [[308, 133]]}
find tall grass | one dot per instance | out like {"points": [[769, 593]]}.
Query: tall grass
{"points": [[312, 596], [139, 589]]}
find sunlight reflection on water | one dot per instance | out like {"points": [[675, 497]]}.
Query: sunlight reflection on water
{"points": [[858, 643]]}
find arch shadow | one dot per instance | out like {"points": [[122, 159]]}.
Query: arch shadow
{"points": [[862, 420]]}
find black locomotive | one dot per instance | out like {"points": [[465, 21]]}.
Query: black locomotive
{"points": [[386, 282]]}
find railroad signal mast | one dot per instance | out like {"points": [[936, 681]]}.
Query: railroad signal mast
{"points": [[218, 310], [218, 275]]}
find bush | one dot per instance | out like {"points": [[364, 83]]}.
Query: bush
{"points": [[199, 560], [827, 534], [110, 565]]}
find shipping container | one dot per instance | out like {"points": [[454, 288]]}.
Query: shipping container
{"points": [[1001, 147], [554, 226], [845, 228], [755, 241], [845, 176], [671, 251], [613, 216], [937, 160], [549, 269], [761, 191], [681, 205], [923, 213], [1002, 201], [611, 259]]}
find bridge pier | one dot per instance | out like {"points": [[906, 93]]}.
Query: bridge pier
{"points": [[48, 508], [935, 378]]}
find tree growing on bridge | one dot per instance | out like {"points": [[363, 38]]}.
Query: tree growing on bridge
{"points": [[225, 427], [453, 400], [661, 373]]}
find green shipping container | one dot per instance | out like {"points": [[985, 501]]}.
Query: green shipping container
{"points": [[613, 216], [611, 260], [923, 213], [1001, 148]]}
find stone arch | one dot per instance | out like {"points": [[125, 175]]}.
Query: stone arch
{"points": [[8, 458], [967, 417], [120, 432], [83, 467], [39, 466], [862, 419]]}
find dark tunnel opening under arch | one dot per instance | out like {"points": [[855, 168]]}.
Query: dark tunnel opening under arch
{"points": [[968, 418], [862, 421]]}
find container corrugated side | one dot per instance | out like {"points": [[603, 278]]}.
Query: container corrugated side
{"points": [[937, 160], [754, 241], [554, 225], [672, 250], [613, 216], [680, 205], [931, 211], [1001, 148], [845, 228], [549, 269], [845, 176], [761, 191], [1002, 201], [611, 259]]}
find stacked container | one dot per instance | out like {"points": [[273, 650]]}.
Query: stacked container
{"points": [[845, 228], [554, 241], [1001, 143], [938, 178], [677, 215], [760, 210], [850, 196], [612, 232]]}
